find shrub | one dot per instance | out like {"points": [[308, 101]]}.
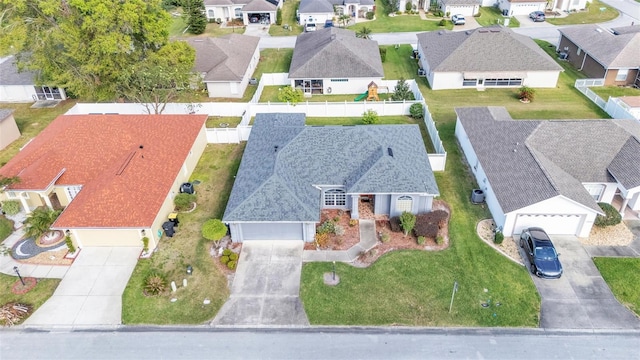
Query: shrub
{"points": [[383, 54], [448, 13], [416, 111], [499, 237], [370, 15], [279, 16], [231, 265], [226, 252], [428, 224], [353, 222], [526, 93], [11, 207], [6, 228], [394, 223], [370, 117], [145, 244], [214, 230], [442, 22], [39, 222], [421, 240], [407, 222], [408, 6], [290, 95], [233, 256], [322, 240], [338, 230], [336, 218], [401, 91], [155, 284], [69, 243], [385, 238], [611, 216], [439, 240], [327, 227], [224, 259], [184, 201]]}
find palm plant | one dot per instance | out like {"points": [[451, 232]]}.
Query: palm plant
{"points": [[39, 222], [364, 33], [344, 19]]}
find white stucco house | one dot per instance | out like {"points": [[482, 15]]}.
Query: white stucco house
{"points": [[521, 7], [20, 86], [319, 11], [550, 173], [462, 7], [250, 11], [334, 61], [290, 172], [491, 56], [226, 63]]}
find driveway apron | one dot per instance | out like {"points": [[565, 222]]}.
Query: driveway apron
{"points": [[266, 287], [91, 291], [580, 299]]}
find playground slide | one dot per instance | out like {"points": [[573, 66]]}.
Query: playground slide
{"points": [[361, 96]]}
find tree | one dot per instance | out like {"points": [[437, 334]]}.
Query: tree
{"points": [[364, 33], [6, 181], [290, 95], [279, 16], [416, 111], [161, 78], [39, 222], [526, 94], [196, 18], [214, 230], [370, 117], [407, 222], [402, 91], [82, 46], [344, 19]]}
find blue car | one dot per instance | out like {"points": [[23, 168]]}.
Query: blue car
{"points": [[540, 253]]}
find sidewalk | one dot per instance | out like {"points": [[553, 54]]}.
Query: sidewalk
{"points": [[368, 240]]}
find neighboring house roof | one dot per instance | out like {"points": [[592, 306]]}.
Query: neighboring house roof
{"points": [[611, 51], [225, 58], [126, 165], [5, 113], [10, 75], [528, 161], [631, 101], [527, 1], [357, 2], [284, 162], [335, 53], [315, 6], [489, 49], [224, 2], [261, 5], [461, 2]]}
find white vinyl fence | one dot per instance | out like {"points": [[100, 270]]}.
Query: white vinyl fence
{"points": [[613, 106], [583, 86], [617, 109], [437, 160]]}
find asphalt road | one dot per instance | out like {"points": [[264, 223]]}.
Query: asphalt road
{"points": [[318, 343]]}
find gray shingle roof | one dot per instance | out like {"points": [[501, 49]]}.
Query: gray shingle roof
{"points": [[4, 113], [279, 184], [9, 74], [225, 58], [494, 48], [528, 161], [334, 53], [612, 51], [625, 166], [315, 6], [260, 5], [224, 2]]}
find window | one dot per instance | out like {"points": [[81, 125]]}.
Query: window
{"points": [[72, 191], [210, 13], [339, 80], [335, 197], [238, 12], [12, 195], [404, 203], [469, 82], [622, 75], [502, 82], [595, 190]]}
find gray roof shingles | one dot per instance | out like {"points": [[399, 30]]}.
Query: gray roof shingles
{"points": [[528, 161], [315, 6], [225, 58], [334, 53], [611, 51], [280, 184], [625, 166], [10, 75], [492, 48]]}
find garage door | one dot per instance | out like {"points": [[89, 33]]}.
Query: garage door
{"points": [[270, 231], [551, 223]]}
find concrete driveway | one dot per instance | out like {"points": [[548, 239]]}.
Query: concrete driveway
{"points": [[580, 299], [266, 286], [91, 291]]}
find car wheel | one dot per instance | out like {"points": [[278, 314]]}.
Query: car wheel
{"points": [[522, 243], [533, 269]]}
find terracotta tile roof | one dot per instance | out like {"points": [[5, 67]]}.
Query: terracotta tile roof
{"points": [[123, 185]]}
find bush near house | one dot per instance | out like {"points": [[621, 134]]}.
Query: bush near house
{"points": [[184, 201], [11, 207], [611, 216], [428, 224], [416, 111]]}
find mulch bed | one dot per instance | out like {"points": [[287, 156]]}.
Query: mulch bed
{"points": [[29, 284], [336, 242]]}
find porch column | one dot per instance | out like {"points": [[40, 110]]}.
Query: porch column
{"points": [[25, 205], [625, 201], [47, 201], [355, 201]]}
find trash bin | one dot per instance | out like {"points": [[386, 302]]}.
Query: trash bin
{"points": [[173, 217], [168, 228]]}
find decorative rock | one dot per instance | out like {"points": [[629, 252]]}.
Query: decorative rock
{"points": [[329, 279], [173, 286], [174, 299], [206, 302], [184, 282]]}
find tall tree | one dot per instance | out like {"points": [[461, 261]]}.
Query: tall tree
{"points": [[82, 45], [197, 21], [402, 91]]}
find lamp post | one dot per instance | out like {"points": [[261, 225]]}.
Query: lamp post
{"points": [[15, 268]]}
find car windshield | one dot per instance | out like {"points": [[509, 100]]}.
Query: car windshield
{"points": [[545, 253]]}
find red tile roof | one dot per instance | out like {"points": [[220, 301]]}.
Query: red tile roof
{"points": [[126, 165]]}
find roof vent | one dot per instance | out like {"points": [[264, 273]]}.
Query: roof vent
{"points": [[390, 152], [515, 150], [275, 148], [141, 146]]}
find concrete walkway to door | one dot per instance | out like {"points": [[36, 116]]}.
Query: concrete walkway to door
{"points": [[266, 288]]}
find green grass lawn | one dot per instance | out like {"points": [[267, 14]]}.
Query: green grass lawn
{"points": [[178, 26], [36, 297], [623, 276], [384, 23], [358, 120], [273, 61], [216, 121], [398, 63], [270, 93], [289, 19], [216, 170], [6, 228], [492, 16], [614, 91], [592, 15]]}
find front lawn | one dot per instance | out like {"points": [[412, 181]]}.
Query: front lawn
{"points": [[216, 170], [384, 23], [490, 15], [35, 297], [179, 25], [623, 276], [596, 12], [288, 18]]}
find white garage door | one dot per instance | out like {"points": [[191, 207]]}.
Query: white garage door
{"points": [[271, 231], [463, 10], [552, 223]]}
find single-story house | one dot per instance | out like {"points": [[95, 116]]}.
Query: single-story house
{"points": [[290, 172], [462, 7], [602, 54], [250, 11], [334, 61], [226, 63], [491, 56], [9, 131], [114, 175], [632, 105], [521, 7], [568, 5], [20, 86], [550, 173], [319, 11]]}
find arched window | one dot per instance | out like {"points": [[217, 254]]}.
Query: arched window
{"points": [[335, 197], [211, 14], [404, 203]]}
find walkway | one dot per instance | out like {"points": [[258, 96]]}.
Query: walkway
{"points": [[266, 286], [368, 240]]}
